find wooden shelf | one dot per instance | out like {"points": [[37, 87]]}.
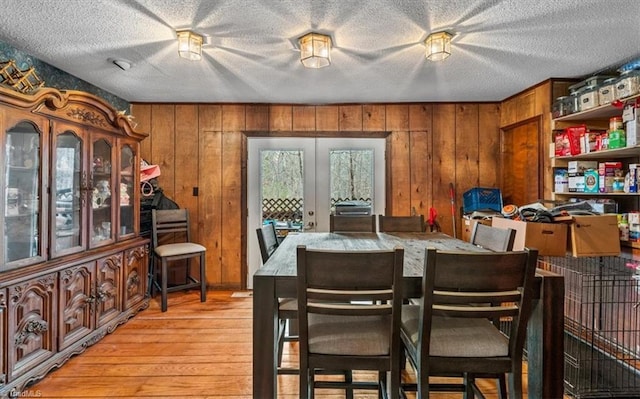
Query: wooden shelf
{"points": [[627, 152], [583, 194], [600, 112]]}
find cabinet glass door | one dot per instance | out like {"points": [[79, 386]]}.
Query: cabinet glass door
{"points": [[22, 205], [126, 194], [67, 196], [101, 186]]}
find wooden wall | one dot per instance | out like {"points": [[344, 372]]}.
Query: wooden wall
{"points": [[429, 146]]}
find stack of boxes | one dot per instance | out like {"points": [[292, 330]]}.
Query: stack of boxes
{"points": [[583, 176]]}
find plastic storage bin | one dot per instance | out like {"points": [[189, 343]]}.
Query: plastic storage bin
{"points": [[482, 199]]}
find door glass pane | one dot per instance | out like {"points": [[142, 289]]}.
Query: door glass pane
{"points": [[351, 176], [66, 187], [101, 195], [22, 192], [126, 190], [281, 182]]}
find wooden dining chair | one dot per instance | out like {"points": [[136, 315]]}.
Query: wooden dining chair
{"points": [[412, 224], [287, 307], [175, 222], [349, 305], [493, 238], [451, 333], [355, 223]]}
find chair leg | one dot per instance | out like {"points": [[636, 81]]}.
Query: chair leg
{"points": [[163, 287], [281, 335], [203, 279], [502, 387], [515, 381]]}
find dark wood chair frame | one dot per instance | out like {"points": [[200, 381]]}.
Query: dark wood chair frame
{"points": [[355, 223], [287, 307], [473, 285], [410, 224], [175, 222], [493, 238], [328, 284]]}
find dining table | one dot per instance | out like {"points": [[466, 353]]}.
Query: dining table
{"points": [[276, 279]]}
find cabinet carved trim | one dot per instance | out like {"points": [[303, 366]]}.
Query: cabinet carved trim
{"points": [[30, 330], [87, 116]]}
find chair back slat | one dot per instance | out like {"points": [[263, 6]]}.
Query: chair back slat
{"points": [[267, 241], [493, 238], [352, 282], [410, 224], [359, 223], [167, 221], [488, 285]]}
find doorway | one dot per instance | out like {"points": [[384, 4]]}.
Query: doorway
{"points": [[295, 182]]}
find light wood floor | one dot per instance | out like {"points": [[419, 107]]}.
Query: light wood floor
{"points": [[194, 350]]}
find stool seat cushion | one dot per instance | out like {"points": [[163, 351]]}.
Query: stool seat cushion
{"points": [[181, 248]]}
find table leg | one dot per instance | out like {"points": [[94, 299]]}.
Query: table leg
{"points": [[545, 341], [265, 333]]}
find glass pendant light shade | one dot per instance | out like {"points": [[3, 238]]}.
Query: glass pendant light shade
{"points": [[189, 45], [315, 50], [438, 46]]}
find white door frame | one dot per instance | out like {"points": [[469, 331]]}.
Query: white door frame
{"points": [[317, 180]]}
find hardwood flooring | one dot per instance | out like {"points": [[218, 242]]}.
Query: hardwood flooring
{"points": [[194, 350]]}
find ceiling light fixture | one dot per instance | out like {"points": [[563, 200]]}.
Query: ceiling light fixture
{"points": [[315, 50], [438, 46], [189, 45]]}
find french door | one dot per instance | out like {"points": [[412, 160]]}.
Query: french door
{"points": [[296, 181]]}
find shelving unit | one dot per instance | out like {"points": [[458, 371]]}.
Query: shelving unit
{"points": [[598, 118]]}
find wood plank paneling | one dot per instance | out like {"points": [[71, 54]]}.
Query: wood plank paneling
{"points": [[280, 117], [467, 158], [373, 118], [444, 170], [420, 117], [421, 166], [399, 194], [231, 208], [350, 118], [233, 117], [327, 118], [397, 117], [210, 184], [186, 162], [489, 145], [142, 116], [304, 118], [257, 117], [164, 144]]}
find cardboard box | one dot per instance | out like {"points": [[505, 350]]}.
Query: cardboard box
{"points": [[469, 224], [595, 236], [550, 239], [581, 166]]}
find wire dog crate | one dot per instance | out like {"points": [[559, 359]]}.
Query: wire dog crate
{"points": [[602, 325]]}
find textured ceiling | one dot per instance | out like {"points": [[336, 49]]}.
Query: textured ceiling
{"points": [[500, 46]]}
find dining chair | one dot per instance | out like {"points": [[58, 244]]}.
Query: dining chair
{"points": [[451, 334], [493, 238], [287, 307], [355, 223], [498, 240], [401, 223], [349, 306], [175, 222]]}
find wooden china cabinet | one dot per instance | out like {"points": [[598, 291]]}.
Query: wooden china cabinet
{"points": [[72, 265]]}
